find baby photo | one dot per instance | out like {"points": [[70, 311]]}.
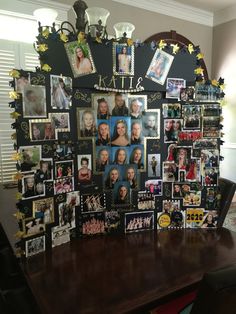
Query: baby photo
{"points": [[34, 101], [61, 92], [41, 130], [87, 122], [45, 171]]}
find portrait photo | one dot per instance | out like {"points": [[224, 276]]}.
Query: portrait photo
{"points": [[172, 128], [103, 158], [151, 123], [120, 155], [173, 87], [139, 221], [42, 130], [131, 176], [30, 157], [137, 157], [31, 188], [21, 82], [136, 135], [137, 104], [34, 101], [86, 122], [112, 175], [84, 163], [103, 104], [154, 165], [123, 59], [120, 105], [61, 92], [44, 208], [64, 169], [103, 137], [121, 193], [60, 121], [45, 171], [80, 58], [120, 131], [159, 67], [34, 246]]}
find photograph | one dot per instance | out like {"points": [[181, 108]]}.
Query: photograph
{"points": [[138, 157], [136, 136], [159, 67], [80, 58], [112, 175], [30, 157], [86, 122], [103, 154], [211, 110], [154, 186], [63, 185], [192, 199], [119, 155], [163, 220], [103, 137], [139, 221], [62, 151], [103, 104], [154, 165], [210, 176], [60, 121], [137, 104], [42, 130], [60, 235], [121, 193], [120, 131], [61, 92], [84, 163], [171, 110], [45, 171], [187, 93], [123, 59], [131, 176], [146, 200], [120, 105], [66, 215], [32, 226], [191, 116], [112, 221], [21, 82], [92, 202], [172, 128], [31, 188], [34, 101], [173, 87], [194, 217], [168, 206], [44, 209], [73, 198], [93, 223], [151, 123], [34, 246], [64, 169], [170, 171]]}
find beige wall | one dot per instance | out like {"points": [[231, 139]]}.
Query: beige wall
{"points": [[148, 23]]}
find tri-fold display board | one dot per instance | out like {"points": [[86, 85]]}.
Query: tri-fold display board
{"points": [[114, 138]]}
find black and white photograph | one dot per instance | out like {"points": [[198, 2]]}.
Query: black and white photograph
{"points": [[151, 123], [60, 235], [33, 226], [34, 246]]}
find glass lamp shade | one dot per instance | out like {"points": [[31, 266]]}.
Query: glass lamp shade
{"points": [[46, 16], [124, 27], [95, 14]]}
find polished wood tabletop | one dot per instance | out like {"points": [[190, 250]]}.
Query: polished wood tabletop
{"points": [[120, 274]]}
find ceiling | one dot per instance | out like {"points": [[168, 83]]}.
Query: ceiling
{"points": [[209, 5]]}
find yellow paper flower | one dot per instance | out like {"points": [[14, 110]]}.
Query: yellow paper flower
{"points": [[13, 136], [42, 47], [190, 48], [15, 115], [130, 42], [214, 83], [199, 71], [16, 156], [175, 48], [222, 86], [221, 118], [45, 33], [17, 176], [14, 95], [46, 68], [200, 56], [162, 44], [19, 234], [18, 196], [63, 37], [81, 37], [19, 215], [98, 40], [223, 102], [14, 73]]}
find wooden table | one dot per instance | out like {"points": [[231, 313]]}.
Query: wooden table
{"points": [[123, 274]]}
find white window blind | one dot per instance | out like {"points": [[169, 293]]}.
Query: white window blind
{"points": [[12, 55]]}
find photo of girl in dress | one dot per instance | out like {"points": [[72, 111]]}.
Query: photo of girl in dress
{"points": [[120, 127], [34, 101], [61, 92], [84, 169], [102, 104], [102, 158], [80, 58], [86, 123], [103, 135], [123, 59]]}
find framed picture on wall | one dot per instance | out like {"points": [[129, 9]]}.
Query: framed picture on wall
{"points": [[61, 92], [159, 67], [34, 101], [123, 59], [80, 58], [86, 122]]}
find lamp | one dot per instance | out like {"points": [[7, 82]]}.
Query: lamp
{"points": [[97, 18], [45, 17], [124, 30]]}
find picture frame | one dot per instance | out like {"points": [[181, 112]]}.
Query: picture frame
{"points": [[60, 235], [93, 202], [34, 246], [136, 105], [33, 226], [34, 101], [75, 51], [44, 208], [159, 66], [45, 171], [123, 59], [103, 104], [139, 221], [42, 130], [151, 123], [21, 82], [30, 157], [60, 121], [154, 165], [102, 158], [120, 131], [63, 168], [86, 123], [174, 86], [60, 92], [84, 162]]}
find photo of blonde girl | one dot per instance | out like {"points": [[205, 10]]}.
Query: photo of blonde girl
{"points": [[87, 123]]}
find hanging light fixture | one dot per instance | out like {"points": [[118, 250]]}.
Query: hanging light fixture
{"points": [[124, 30], [97, 18], [46, 17]]}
